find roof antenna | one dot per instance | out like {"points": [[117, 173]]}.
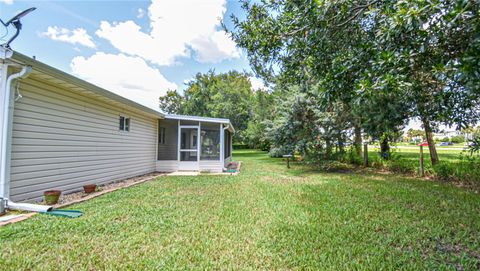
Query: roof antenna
{"points": [[17, 24]]}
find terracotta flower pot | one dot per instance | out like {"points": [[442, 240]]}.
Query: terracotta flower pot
{"points": [[52, 196], [90, 188]]}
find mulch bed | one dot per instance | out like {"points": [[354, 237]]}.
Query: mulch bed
{"points": [[101, 189]]}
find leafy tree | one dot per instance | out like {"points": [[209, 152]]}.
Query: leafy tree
{"points": [[445, 139], [225, 95], [384, 111], [302, 124], [428, 45], [262, 115], [296, 125], [474, 147], [172, 102], [411, 133], [315, 46], [457, 139], [422, 53]]}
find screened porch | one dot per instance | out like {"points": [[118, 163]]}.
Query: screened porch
{"points": [[188, 143]]}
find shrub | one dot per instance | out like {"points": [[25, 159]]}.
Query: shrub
{"points": [[466, 171], [402, 166], [445, 139], [353, 158], [277, 152], [264, 145], [240, 146], [444, 171], [457, 139]]}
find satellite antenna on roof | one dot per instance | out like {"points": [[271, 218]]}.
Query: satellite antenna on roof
{"points": [[17, 24]]}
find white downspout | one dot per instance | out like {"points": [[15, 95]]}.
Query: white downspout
{"points": [[8, 106]]}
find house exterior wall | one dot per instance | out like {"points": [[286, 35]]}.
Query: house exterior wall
{"points": [[63, 140]]}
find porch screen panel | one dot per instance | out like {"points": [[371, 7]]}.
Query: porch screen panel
{"points": [[210, 141], [167, 149]]}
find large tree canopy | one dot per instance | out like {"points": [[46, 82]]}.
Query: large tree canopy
{"points": [[382, 62], [225, 95]]}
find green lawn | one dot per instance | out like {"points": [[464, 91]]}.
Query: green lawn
{"points": [[413, 153], [407, 157], [267, 217]]}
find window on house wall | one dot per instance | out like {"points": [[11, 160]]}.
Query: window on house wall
{"points": [[161, 135], [124, 124]]}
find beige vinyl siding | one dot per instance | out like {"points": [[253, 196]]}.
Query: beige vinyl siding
{"points": [[63, 140]]}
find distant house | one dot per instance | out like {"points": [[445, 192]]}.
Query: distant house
{"points": [[60, 132]]}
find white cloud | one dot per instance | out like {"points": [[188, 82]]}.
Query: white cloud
{"points": [[215, 48], [75, 36], [140, 13], [176, 29], [8, 2], [187, 81], [257, 84], [130, 77]]}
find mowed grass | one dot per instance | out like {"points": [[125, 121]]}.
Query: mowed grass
{"points": [[412, 153], [406, 159], [267, 217]]}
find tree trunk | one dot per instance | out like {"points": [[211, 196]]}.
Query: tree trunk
{"points": [[328, 149], [431, 143], [385, 148], [358, 139], [341, 148]]}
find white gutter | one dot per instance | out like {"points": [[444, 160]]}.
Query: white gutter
{"points": [[8, 106]]}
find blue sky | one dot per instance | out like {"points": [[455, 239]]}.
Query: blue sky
{"points": [[137, 49]]}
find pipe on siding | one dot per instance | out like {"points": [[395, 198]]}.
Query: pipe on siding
{"points": [[6, 125], [28, 207]]}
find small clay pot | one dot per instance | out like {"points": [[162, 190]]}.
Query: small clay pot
{"points": [[52, 196], [90, 188]]}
